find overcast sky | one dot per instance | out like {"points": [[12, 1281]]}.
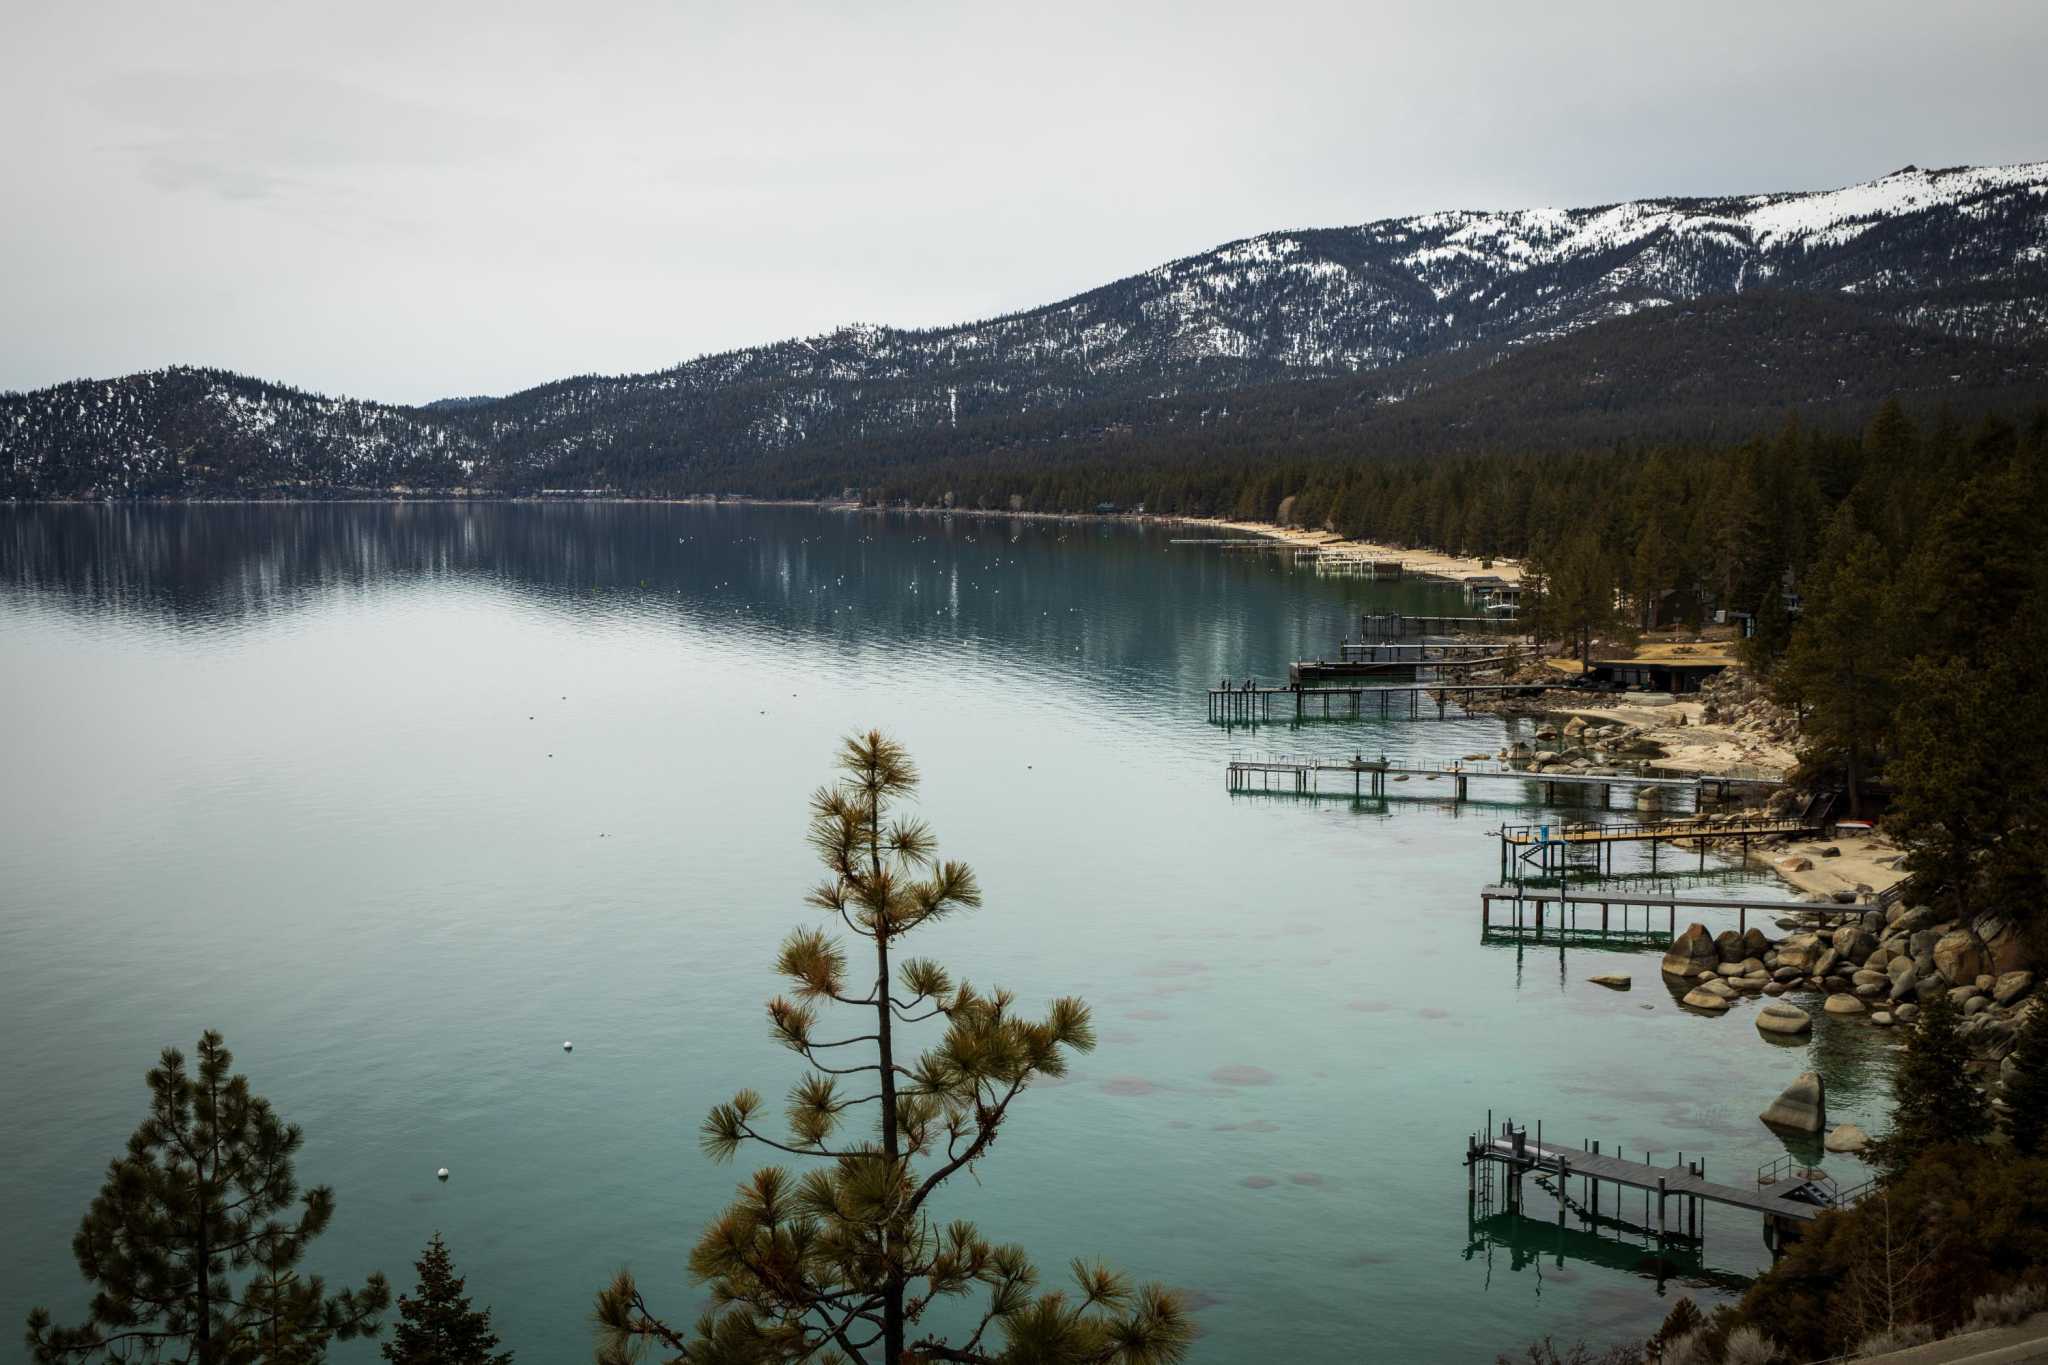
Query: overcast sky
{"points": [[409, 200]]}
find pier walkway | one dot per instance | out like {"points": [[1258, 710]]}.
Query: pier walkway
{"points": [[1253, 702], [1554, 848], [1784, 1193], [1303, 774], [1320, 670], [1568, 905]]}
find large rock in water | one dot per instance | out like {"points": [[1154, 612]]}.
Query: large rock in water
{"points": [[1781, 1018], [1691, 953], [1847, 1138], [1701, 998], [1803, 1108], [1960, 957]]}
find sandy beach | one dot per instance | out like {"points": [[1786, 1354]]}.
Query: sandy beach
{"points": [[1432, 562]]}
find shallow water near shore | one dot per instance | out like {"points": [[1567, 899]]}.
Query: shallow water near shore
{"points": [[400, 797]]}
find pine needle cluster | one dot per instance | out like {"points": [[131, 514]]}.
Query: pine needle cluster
{"points": [[843, 1262]]}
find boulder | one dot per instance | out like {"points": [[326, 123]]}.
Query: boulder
{"points": [[1879, 960], [2001, 938], [1755, 943], [1614, 981], [1847, 1138], [2011, 986], [1976, 1004], [1843, 1004], [1855, 942], [1795, 864], [1828, 960], [1719, 987], [1906, 1014], [1883, 1018], [1913, 919], [1701, 998], [1780, 1018], [1829, 851], [1731, 969], [1728, 944], [1960, 956], [1985, 981], [1921, 942], [1798, 950], [1899, 969], [1802, 1108], [1960, 996], [1691, 953]]}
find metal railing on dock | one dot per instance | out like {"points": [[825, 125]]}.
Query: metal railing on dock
{"points": [[1251, 703], [1527, 905], [1516, 1154]]}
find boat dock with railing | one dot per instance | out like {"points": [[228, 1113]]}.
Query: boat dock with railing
{"points": [[1786, 1192]]}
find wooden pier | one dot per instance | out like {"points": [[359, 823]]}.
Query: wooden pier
{"points": [[1374, 628], [1637, 912], [1390, 651], [1553, 849], [1786, 1194], [1250, 703], [1303, 774], [1323, 670]]}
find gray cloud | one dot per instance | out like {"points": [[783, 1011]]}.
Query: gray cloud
{"points": [[406, 200]]}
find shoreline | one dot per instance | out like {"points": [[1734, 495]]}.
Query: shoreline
{"points": [[1417, 563]]}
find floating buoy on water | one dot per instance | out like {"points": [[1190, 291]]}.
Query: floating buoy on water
{"points": [[568, 1046], [442, 1175]]}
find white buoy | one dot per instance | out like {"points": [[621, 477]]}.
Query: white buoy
{"points": [[568, 1046], [441, 1174]]}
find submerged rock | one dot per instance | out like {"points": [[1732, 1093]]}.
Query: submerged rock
{"points": [[1615, 981], [1847, 1138], [1781, 1018]]}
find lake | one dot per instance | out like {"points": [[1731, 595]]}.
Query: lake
{"points": [[400, 797]]}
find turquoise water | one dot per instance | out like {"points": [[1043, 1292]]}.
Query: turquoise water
{"points": [[400, 797]]}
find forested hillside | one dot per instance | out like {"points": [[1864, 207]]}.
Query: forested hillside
{"points": [[1461, 330]]}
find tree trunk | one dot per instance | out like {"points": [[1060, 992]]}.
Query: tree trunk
{"points": [[892, 1294]]}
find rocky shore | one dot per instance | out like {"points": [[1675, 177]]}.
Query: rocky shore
{"points": [[1876, 969]]}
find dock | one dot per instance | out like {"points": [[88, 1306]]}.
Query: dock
{"points": [[1303, 775], [1378, 651], [1378, 627], [1250, 703], [1652, 906], [1557, 848], [1785, 1193], [1321, 670]]}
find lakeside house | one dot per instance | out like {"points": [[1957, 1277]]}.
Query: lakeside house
{"points": [[1672, 668]]}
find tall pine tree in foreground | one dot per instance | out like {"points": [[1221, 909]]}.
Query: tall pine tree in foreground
{"points": [[842, 1263], [436, 1325], [194, 1241], [1936, 1101]]}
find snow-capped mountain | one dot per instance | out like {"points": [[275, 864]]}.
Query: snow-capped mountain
{"points": [[1961, 252]]}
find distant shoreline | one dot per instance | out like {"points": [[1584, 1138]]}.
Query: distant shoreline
{"points": [[1434, 565]]}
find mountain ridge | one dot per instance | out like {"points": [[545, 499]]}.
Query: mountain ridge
{"points": [[1960, 252]]}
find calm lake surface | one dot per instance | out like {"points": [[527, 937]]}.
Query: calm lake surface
{"points": [[400, 797]]}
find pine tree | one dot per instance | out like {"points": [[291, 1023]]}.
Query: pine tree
{"points": [[1936, 1102], [2026, 1091], [1840, 669], [436, 1325], [206, 1189], [841, 1263]]}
